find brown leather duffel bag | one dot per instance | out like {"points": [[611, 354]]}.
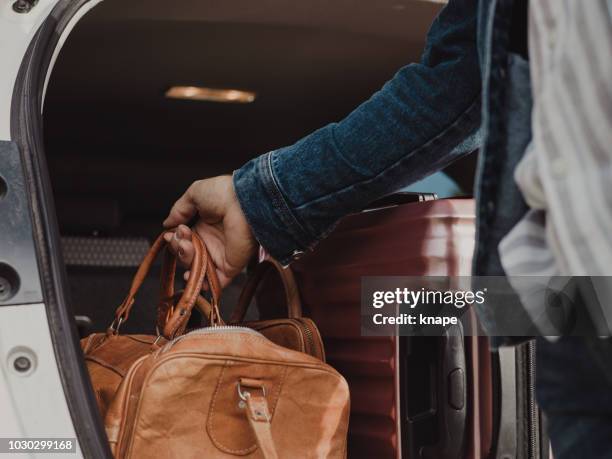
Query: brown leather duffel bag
{"points": [[228, 391], [110, 355]]}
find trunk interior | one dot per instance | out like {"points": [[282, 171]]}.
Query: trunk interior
{"points": [[120, 153]]}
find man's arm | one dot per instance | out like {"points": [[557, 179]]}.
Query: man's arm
{"points": [[424, 118]]}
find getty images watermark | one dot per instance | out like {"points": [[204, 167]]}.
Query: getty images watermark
{"points": [[492, 305]]}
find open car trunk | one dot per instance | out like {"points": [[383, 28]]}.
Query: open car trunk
{"points": [[120, 153]]}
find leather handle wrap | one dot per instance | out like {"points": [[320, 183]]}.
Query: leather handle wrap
{"points": [[292, 295], [166, 307], [171, 318]]}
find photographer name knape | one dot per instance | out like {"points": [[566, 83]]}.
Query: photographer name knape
{"points": [[412, 319]]}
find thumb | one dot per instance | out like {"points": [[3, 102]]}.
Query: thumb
{"points": [[182, 211]]}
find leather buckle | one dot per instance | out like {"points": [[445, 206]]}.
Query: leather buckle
{"points": [[244, 394]]}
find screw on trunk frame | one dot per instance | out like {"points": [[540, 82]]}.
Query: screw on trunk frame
{"points": [[22, 364], [24, 6], [3, 187], [9, 282], [5, 289]]}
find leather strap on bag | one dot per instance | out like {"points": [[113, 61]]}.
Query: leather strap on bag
{"points": [[292, 295], [210, 309], [171, 318], [214, 318], [258, 415]]}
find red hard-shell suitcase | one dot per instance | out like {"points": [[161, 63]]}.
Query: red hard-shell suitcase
{"points": [[411, 397]]}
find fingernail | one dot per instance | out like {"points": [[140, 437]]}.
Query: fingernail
{"points": [[176, 235], [167, 237]]}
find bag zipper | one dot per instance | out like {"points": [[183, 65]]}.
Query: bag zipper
{"points": [[533, 414], [308, 334], [211, 330], [305, 329], [240, 329]]}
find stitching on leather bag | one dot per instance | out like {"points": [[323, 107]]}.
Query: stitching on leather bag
{"points": [[278, 392], [210, 425], [106, 365], [211, 415], [147, 340], [88, 343], [125, 409], [99, 397], [318, 364], [103, 341], [191, 299], [285, 325]]}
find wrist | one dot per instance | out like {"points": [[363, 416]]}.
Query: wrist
{"points": [[266, 211]]}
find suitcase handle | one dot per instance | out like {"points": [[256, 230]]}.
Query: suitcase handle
{"points": [[292, 295], [171, 318]]}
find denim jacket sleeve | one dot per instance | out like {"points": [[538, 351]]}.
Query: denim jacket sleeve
{"points": [[426, 116]]}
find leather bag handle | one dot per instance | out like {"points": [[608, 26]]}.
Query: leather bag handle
{"points": [[292, 295], [171, 318], [169, 269], [210, 309]]}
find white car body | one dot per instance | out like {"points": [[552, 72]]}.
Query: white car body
{"points": [[32, 403]]}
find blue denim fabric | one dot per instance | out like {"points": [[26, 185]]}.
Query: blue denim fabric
{"points": [[499, 201], [573, 384], [468, 91], [424, 118]]}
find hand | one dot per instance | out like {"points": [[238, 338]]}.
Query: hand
{"points": [[221, 225]]}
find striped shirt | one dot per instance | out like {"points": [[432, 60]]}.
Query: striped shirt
{"points": [[566, 173]]}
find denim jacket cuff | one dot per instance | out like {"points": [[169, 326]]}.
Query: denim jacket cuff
{"points": [[266, 209]]}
